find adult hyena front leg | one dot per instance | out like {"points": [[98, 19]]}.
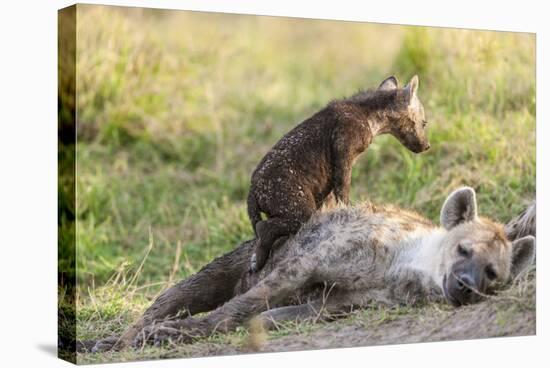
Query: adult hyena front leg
{"points": [[290, 276], [212, 286], [334, 304]]}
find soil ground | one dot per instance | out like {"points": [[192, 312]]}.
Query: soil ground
{"points": [[511, 313]]}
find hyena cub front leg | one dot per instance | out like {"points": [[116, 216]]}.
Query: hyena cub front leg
{"points": [[346, 146], [290, 276]]}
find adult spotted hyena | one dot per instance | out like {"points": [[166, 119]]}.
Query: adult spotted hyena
{"points": [[364, 254], [315, 158]]}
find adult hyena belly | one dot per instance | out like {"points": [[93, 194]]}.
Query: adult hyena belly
{"points": [[350, 249]]}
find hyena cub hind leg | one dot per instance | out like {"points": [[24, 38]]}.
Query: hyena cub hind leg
{"points": [[272, 233], [254, 211]]}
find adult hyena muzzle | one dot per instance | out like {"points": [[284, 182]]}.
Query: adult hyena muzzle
{"points": [[462, 288]]}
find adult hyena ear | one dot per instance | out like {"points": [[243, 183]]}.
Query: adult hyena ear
{"points": [[523, 254], [411, 88], [459, 207], [388, 84]]}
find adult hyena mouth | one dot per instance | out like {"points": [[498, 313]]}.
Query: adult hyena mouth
{"points": [[448, 295]]}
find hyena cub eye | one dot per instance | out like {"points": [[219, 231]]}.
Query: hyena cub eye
{"points": [[424, 123]]}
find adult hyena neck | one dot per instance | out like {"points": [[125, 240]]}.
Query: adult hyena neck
{"points": [[423, 251]]}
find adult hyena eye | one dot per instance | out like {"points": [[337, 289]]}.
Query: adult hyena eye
{"points": [[463, 251], [490, 272]]}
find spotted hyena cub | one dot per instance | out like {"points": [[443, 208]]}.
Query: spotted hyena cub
{"points": [[314, 160]]}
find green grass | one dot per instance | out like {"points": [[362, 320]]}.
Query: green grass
{"points": [[174, 113]]}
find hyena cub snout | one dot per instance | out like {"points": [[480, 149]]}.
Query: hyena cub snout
{"points": [[420, 138], [420, 142], [410, 125], [417, 141]]}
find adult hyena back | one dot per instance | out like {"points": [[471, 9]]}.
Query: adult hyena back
{"points": [[374, 255], [315, 159]]}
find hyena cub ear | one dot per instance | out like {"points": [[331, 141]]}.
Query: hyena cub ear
{"points": [[523, 254], [411, 88], [388, 84], [459, 207]]}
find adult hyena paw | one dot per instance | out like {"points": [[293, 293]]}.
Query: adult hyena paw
{"points": [[105, 344], [157, 334], [175, 332]]}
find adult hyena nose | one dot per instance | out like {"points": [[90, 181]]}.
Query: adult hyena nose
{"points": [[465, 283], [466, 289]]}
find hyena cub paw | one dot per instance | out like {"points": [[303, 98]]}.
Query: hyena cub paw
{"points": [[253, 267], [262, 253], [258, 260]]}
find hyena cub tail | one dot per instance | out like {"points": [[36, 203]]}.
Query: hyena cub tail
{"points": [[254, 212]]}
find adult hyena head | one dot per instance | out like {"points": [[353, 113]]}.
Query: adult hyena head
{"points": [[478, 258], [408, 122]]}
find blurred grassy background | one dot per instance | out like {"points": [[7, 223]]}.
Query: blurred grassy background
{"points": [[175, 109]]}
